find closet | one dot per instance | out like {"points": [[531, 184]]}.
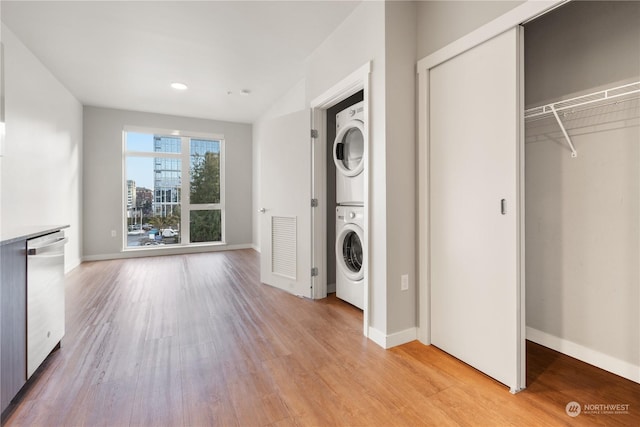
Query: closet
{"points": [[582, 183], [569, 278]]}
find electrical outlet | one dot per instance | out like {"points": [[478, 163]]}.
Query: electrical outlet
{"points": [[404, 282], [113, 233]]}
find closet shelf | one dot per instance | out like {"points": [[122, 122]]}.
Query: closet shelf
{"points": [[592, 98], [619, 93]]}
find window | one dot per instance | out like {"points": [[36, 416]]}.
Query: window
{"points": [[160, 207]]}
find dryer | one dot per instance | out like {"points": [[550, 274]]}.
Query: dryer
{"points": [[348, 155], [349, 254]]}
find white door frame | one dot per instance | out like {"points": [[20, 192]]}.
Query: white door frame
{"points": [[356, 81], [516, 16]]}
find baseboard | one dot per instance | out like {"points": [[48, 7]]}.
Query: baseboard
{"points": [[164, 251], [394, 339], [255, 248], [603, 361], [71, 264], [331, 288]]}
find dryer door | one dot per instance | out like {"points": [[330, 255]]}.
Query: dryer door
{"points": [[349, 252], [348, 148]]}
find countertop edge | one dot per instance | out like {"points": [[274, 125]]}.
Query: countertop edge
{"points": [[25, 233]]}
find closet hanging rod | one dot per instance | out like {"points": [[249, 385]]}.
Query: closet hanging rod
{"points": [[579, 101]]}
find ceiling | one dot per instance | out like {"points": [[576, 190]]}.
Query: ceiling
{"points": [[125, 54]]}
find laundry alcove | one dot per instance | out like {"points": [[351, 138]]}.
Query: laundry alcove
{"points": [[331, 185]]}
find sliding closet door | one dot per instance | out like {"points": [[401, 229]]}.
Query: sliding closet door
{"points": [[474, 143]]}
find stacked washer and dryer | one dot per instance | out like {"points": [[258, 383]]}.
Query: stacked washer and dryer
{"points": [[348, 155]]}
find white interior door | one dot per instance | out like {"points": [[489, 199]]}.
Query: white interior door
{"points": [[285, 204], [474, 142]]}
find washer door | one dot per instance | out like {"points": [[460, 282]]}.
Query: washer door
{"points": [[349, 252], [348, 148]]}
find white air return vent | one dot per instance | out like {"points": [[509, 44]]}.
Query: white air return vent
{"points": [[283, 246]]}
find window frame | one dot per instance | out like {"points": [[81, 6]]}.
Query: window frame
{"points": [[185, 182]]}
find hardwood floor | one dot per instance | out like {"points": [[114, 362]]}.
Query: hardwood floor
{"points": [[196, 340]]}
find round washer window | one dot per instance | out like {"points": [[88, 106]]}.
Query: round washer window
{"points": [[353, 150], [352, 252], [348, 148]]}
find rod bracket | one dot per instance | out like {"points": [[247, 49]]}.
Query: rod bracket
{"points": [[574, 153]]}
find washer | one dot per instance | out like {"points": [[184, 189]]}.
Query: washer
{"points": [[348, 155], [349, 255]]}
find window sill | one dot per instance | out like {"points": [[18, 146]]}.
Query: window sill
{"points": [[174, 247]]}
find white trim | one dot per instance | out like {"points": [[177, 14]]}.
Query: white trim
{"points": [[319, 214], [172, 132], [510, 19], [3, 123], [521, 375], [424, 219], [354, 82], [168, 250], [343, 89], [394, 339], [377, 337], [255, 247], [402, 337], [593, 357], [223, 190], [72, 264], [155, 154]]}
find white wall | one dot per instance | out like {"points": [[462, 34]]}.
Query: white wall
{"points": [[41, 167], [583, 228], [443, 22], [401, 155], [103, 185]]}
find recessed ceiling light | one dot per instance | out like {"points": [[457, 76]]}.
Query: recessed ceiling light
{"points": [[179, 86], [245, 92]]}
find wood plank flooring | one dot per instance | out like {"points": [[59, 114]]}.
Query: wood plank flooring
{"points": [[196, 340]]}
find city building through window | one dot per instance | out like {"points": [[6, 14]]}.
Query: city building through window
{"points": [[166, 204]]}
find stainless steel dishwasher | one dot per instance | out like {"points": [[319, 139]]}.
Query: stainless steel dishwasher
{"points": [[45, 297]]}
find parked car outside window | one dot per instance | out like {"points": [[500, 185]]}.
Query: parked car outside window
{"points": [[169, 232]]}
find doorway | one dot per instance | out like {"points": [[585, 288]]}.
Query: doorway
{"points": [[582, 155], [354, 86], [331, 185]]}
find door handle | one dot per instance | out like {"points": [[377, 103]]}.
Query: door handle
{"points": [[503, 206], [340, 151], [37, 250], [262, 210]]}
